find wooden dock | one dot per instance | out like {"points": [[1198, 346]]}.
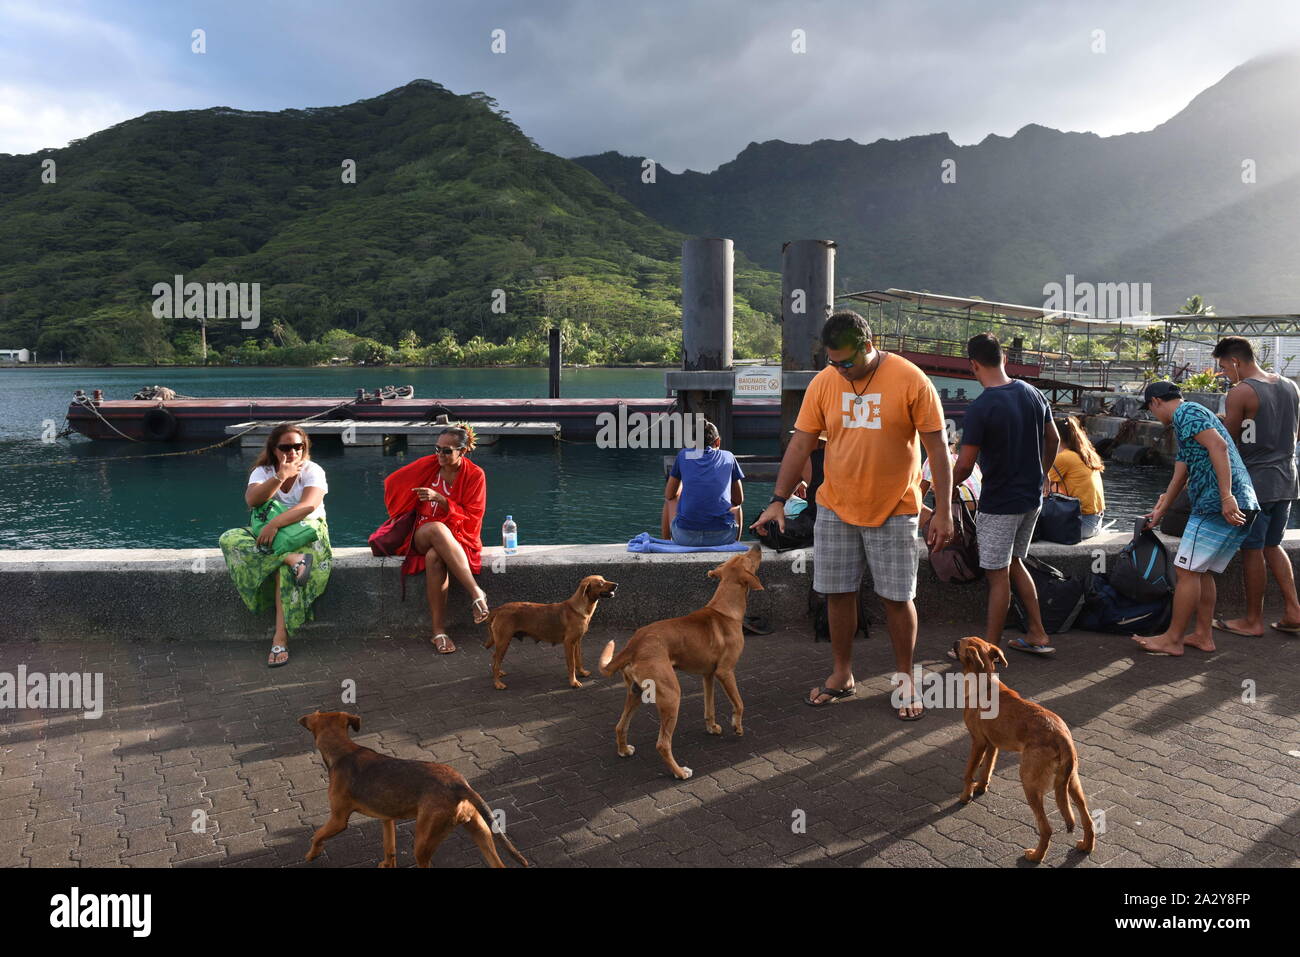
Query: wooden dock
{"points": [[374, 434]]}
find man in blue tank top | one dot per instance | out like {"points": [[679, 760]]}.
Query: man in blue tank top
{"points": [[1262, 413]]}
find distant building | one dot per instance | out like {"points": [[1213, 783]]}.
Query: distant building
{"points": [[15, 355]]}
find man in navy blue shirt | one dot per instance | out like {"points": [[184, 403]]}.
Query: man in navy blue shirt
{"points": [[708, 511], [1009, 430]]}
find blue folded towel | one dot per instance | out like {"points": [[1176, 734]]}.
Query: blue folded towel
{"points": [[644, 543]]}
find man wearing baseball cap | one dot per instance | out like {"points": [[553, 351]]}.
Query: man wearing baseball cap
{"points": [[1223, 507]]}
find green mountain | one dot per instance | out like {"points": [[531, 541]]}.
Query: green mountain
{"points": [[451, 202], [1173, 206]]}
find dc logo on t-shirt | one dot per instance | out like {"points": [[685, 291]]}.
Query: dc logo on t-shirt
{"points": [[861, 412]]}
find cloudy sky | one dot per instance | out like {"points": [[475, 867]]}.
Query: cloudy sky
{"points": [[688, 83]]}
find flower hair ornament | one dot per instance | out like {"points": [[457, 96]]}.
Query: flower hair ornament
{"points": [[471, 437]]}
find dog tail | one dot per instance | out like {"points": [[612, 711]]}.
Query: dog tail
{"points": [[486, 813], [611, 663]]}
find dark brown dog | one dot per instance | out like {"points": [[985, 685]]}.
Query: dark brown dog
{"points": [[707, 642], [393, 789], [563, 622], [1048, 760]]}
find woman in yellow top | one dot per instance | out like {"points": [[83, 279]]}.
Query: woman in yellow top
{"points": [[1077, 471]]}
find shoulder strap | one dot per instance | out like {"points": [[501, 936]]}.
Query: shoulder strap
{"points": [[1139, 526]]}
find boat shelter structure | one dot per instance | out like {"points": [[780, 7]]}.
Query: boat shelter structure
{"points": [[931, 331]]}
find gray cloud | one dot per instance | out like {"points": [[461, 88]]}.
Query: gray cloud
{"points": [[687, 83]]}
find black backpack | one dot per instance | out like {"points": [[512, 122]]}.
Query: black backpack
{"points": [[1108, 610], [1060, 597], [798, 532], [1175, 520], [1142, 571]]}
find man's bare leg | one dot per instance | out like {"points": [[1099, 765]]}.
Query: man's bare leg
{"points": [[999, 582], [842, 615], [1255, 572], [900, 620], [1023, 582], [1201, 635], [1187, 596], [1280, 565]]}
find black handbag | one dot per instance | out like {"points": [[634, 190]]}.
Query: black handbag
{"points": [[1061, 520]]}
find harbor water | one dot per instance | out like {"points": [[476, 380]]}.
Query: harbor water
{"points": [[75, 493]]}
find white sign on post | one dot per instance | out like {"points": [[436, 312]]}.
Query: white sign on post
{"points": [[752, 381]]}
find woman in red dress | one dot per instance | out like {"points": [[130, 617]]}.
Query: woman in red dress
{"points": [[450, 493]]}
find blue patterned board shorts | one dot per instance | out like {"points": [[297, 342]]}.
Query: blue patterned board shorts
{"points": [[1209, 542], [841, 551]]}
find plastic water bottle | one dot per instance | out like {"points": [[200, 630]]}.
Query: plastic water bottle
{"points": [[510, 536]]}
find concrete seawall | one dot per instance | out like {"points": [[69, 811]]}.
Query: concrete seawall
{"points": [[174, 594]]}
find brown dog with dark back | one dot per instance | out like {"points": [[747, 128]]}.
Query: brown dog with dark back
{"points": [[394, 789], [563, 622], [707, 642], [1048, 761]]}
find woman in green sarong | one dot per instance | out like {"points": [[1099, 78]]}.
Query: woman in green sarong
{"points": [[291, 582]]}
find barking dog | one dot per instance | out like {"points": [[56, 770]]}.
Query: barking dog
{"points": [[707, 642], [564, 621], [1048, 761], [393, 789]]}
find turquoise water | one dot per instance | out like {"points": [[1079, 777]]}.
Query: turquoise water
{"points": [[557, 492]]}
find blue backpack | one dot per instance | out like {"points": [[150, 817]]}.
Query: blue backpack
{"points": [[1105, 609], [1142, 571]]}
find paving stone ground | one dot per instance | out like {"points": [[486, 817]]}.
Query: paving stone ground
{"points": [[1186, 772]]}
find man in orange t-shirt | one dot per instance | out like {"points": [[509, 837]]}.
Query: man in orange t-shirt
{"points": [[877, 409]]}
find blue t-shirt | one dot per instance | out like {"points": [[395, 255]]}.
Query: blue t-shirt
{"points": [[706, 478], [1191, 418], [1007, 423]]}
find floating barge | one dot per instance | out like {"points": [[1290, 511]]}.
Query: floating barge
{"points": [[197, 420]]}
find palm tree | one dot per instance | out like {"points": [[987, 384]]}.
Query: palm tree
{"points": [[1195, 306]]}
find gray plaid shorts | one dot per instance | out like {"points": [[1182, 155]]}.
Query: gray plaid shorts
{"points": [[1003, 537], [841, 551]]}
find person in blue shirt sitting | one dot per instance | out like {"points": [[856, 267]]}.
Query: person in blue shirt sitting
{"points": [[703, 497]]}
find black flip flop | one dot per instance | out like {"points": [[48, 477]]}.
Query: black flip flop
{"points": [[836, 695], [757, 625]]}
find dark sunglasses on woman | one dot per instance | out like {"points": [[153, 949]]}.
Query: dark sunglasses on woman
{"points": [[287, 448]]}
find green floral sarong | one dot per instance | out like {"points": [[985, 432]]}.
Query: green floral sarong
{"points": [[252, 571]]}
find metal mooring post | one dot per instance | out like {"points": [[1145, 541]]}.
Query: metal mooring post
{"points": [[556, 360], [706, 381], [807, 299]]}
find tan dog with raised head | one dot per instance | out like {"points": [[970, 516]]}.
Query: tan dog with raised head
{"points": [[395, 789], [707, 642], [563, 622], [1048, 761]]}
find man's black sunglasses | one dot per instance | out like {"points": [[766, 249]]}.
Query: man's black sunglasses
{"points": [[446, 449], [848, 363]]}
